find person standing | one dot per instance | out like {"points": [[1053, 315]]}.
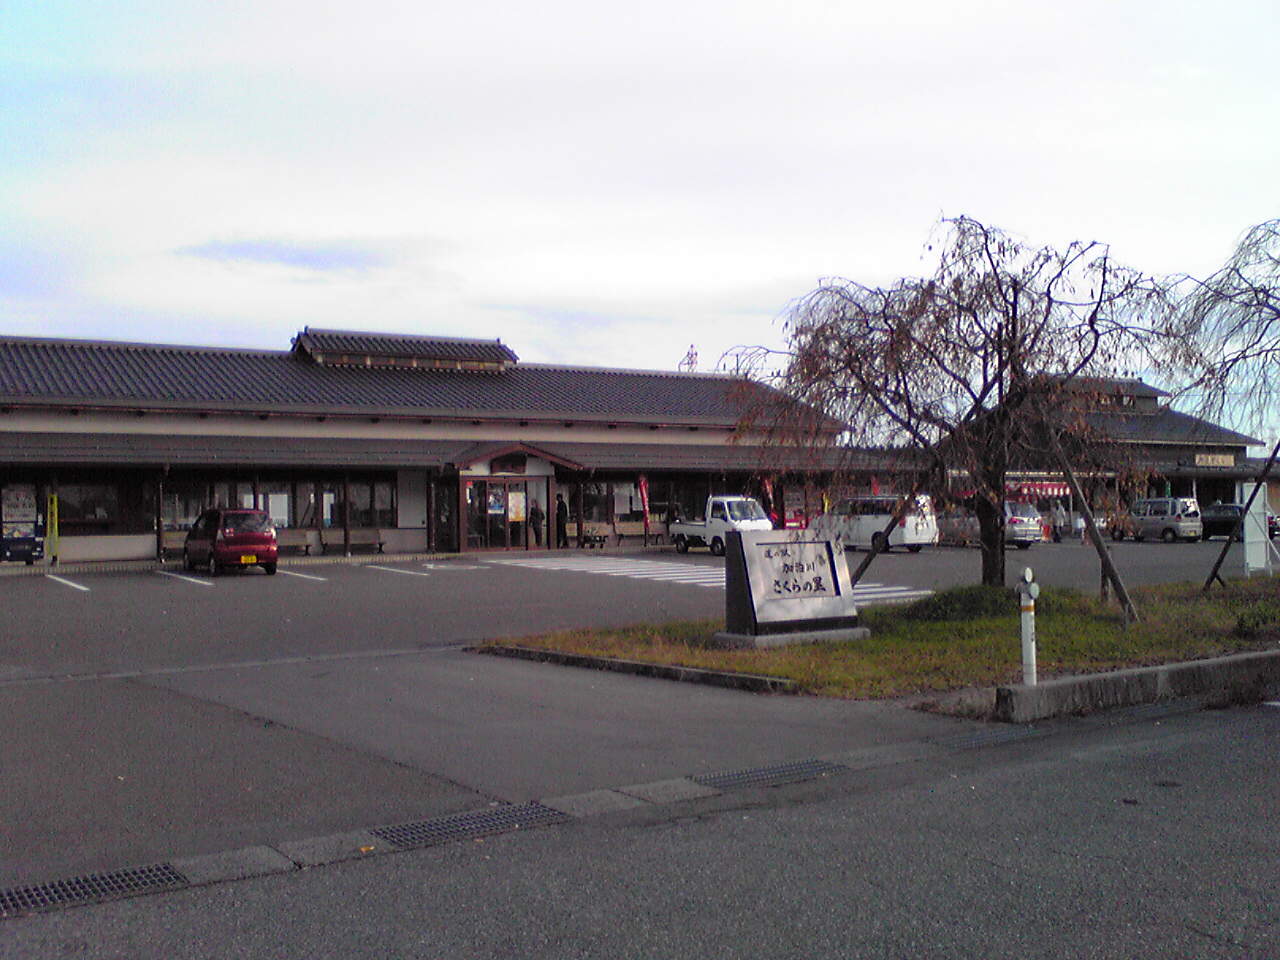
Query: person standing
{"points": [[536, 521], [1059, 521], [562, 522]]}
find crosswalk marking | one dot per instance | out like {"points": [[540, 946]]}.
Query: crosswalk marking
{"points": [[667, 571]]}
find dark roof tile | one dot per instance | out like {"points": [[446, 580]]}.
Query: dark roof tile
{"points": [[450, 349], [67, 372]]}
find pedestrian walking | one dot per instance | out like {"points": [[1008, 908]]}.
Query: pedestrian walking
{"points": [[1059, 521]]}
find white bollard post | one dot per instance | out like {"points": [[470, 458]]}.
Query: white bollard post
{"points": [[1028, 589]]}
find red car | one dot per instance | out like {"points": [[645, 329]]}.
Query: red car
{"points": [[226, 539]]}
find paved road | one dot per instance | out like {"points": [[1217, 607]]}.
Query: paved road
{"points": [[1105, 839], [152, 715], [146, 715]]}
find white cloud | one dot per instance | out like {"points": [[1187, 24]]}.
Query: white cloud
{"points": [[608, 182]]}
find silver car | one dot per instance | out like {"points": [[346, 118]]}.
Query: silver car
{"points": [[1022, 525], [1169, 518]]}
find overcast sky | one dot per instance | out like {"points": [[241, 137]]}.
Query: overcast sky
{"points": [[596, 183]]}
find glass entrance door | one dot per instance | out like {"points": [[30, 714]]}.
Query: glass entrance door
{"points": [[497, 514]]}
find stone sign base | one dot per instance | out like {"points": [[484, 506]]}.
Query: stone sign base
{"points": [[749, 641]]}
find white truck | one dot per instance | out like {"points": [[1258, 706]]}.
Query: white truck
{"points": [[724, 513]]}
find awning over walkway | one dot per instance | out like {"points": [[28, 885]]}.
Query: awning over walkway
{"points": [[161, 450]]}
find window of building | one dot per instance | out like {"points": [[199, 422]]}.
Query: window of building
{"points": [[87, 506]]}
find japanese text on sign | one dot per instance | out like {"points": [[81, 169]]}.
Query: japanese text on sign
{"points": [[798, 570]]}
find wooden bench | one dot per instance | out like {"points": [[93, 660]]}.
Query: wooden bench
{"points": [[360, 537], [635, 528], [295, 538]]}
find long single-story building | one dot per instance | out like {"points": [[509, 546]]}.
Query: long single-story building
{"points": [[411, 442], [424, 443]]}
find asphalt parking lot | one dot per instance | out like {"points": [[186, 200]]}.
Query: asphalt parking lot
{"points": [[156, 713]]}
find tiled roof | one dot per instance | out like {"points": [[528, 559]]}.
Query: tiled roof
{"points": [[355, 342], [1114, 386], [1166, 425], [156, 377]]}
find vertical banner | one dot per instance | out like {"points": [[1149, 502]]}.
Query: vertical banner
{"points": [[643, 484], [53, 532]]}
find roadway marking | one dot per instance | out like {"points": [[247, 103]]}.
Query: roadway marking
{"points": [[68, 583], [668, 571], [178, 576], [407, 573], [304, 576], [450, 566]]}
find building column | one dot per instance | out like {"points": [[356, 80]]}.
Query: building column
{"points": [[346, 515], [582, 521], [160, 514]]}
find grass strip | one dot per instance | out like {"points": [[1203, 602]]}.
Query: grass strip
{"points": [[967, 637]]}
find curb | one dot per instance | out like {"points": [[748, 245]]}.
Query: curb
{"points": [[185, 873], [283, 857], [752, 682], [1235, 678]]}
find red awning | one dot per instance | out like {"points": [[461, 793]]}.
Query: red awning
{"points": [[1024, 488], [1038, 488]]}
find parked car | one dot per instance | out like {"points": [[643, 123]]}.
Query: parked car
{"points": [[860, 522], [1023, 525], [1221, 520], [228, 539], [1169, 518]]}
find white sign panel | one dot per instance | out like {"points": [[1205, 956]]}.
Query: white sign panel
{"points": [[796, 576], [1257, 545]]}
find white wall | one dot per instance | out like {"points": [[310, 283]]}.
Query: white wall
{"points": [[353, 428], [411, 498], [139, 546]]}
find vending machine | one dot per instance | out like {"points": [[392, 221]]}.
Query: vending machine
{"points": [[22, 523]]}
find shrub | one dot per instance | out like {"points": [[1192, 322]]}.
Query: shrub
{"points": [[1260, 618], [964, 603]]}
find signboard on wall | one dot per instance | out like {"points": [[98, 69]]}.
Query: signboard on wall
{"points": [[515, 506], [1215, 459]]}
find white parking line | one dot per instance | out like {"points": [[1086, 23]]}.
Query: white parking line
{"points": [[410, 573], [304, 576], [68, 583], [178, 576]]}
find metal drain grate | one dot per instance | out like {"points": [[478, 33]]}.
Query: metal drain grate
{"points": [[462, 826], [990, 738], [768, 776], [87, 889]]}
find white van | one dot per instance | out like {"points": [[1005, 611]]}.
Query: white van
{"points": [[860, 521]]}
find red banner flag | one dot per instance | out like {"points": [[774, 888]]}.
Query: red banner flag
{"points": [[644, 501]]}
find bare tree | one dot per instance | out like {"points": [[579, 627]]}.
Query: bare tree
{"points": [[1233, 319], [968, 367]]}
